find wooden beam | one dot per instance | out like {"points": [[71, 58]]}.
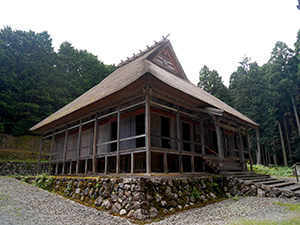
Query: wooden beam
{"points": [[147, 132], [78, 146], [51, 150], [95, 142]]}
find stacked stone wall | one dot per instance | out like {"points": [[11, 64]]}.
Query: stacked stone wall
{"points": [[145, 198], [20, 168]]}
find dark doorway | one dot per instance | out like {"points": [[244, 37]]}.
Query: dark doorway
{"points": [[165, 132], [173, 163], [198, 162], [114, 136], [186, 136], [112, 164], [157, 162], [140, 162], [125, 163], [100, 165], [140, 129], [186, 161]]}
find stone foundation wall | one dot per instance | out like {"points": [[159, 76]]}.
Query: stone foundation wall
{"points": [[143, 198], [20, 168]]}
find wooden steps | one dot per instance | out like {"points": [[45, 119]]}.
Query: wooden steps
{"points": [[227, 165]]}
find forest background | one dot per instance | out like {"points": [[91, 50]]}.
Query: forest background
{"points": [[35, 81]]}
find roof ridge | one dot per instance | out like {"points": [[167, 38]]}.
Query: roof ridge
{"points": [[135, 56]]}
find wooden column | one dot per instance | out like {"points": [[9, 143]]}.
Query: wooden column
{"points": [[165, 163], [132, 162], [179, 140], [147, 132], [56, 168], [51, 150], [118, 140], [85, 166], [95, 142], [202, 137], [220, 144], [78, 146], [40, 155], [193, 163], [105, 165], [249, 150], [242, 156], [65, 150], [70, 168], [202, 142]]}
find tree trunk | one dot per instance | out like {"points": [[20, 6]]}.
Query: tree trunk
{"points": [[296, 114], [287, 137], [274, 154], [258, 153], [282, 145]]}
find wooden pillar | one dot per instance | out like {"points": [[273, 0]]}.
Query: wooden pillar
{"points": [[65, 150], [258, 155], [179, 140], [78, 146], [132, 162], [147, 132], [40, 155], [220, 144], [70, 168], [241, 149], [193, 163], [85, 166], [165, 163], [95, 142], [202, 142], [56, 168], [249, 150], [118, 140], [51, 150], [105, 165], [202, 137]]}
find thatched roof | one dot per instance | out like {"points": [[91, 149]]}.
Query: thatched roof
{"points": [[130, 71]]}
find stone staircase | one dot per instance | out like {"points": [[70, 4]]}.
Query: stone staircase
{"points": [[271, 187]]}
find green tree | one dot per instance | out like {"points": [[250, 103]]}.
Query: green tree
{"points": [[210, 81], [35, 81], [26, 61], [250, 93]]}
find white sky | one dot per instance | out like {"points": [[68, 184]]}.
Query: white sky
{"points": [[216, 33]]}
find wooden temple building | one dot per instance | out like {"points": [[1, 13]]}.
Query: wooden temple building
{"points": [[146, 117]]}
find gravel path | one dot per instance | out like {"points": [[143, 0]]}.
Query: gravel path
{"points": [[21, 203]]}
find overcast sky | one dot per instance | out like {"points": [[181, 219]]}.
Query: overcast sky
{"points": [[216, 33]]}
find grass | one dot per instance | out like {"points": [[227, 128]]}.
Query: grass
{"points": [[290, 221], [274, 170]]}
